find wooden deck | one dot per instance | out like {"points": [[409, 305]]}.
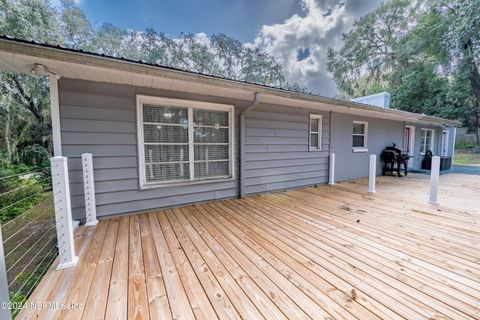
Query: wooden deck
{"points": [[333, 252]]}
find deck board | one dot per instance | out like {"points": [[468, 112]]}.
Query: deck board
{"points": [[332, 252]]}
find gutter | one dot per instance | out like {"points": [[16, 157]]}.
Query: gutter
{"points": [[243, 114]]}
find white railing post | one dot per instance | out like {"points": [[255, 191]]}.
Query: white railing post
{"points": [[63, 213], [89, 190], [5, 312], [331, 176], [434, 179], [372, 173]]}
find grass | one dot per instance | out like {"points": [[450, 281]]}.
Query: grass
{"points": [[466, 157]]}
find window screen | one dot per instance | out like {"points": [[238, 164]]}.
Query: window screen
{"points": [[426, 142], [211, 143], [315, 132], [165, 136], [359, 135], [185, 143]]}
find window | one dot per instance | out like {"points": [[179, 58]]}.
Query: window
{"points": [[359, 141], [183, 141], [426, 141], [315, 132]]}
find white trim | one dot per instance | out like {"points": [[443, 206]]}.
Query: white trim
{"points": [[319, 133], [422, 153], [454, 142], [411, 146], [365, 139], [190, 104], [442, 146], [191, 145], [55, 115]]}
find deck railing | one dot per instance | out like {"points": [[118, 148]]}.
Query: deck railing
{"points": [[27, 220]]}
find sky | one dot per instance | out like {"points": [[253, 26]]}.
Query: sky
{"points": [[297, 33]]}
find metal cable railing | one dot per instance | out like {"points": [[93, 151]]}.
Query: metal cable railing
{"points": [[29, 234]]}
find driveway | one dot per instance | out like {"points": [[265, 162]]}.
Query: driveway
{"points": [[472, 169]]}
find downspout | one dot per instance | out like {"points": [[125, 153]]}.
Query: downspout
{"points": [[254, 103]]}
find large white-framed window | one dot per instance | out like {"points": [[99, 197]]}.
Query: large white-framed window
{"points": [[360, 135], [183, 141], [426, 140], [315, 132]]}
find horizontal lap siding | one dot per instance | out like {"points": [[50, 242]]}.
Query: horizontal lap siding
{"points": [[277, 155], [381, 133], [101, 119]]}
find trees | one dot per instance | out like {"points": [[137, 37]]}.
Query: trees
{"points": [[425, 53], [24, 99]]}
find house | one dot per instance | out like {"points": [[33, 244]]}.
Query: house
{"points": [[162, 137]]}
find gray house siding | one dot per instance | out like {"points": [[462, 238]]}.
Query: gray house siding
{"points": [[101, 119], [381, 133], [277, 150]]}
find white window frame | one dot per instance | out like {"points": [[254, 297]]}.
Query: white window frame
{"points": [[319, 118], [190, 105], [365, 135], [423, 147], [445, 148]]}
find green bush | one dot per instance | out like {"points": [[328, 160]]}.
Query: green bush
{"points": [[21, 187], [465, 145]]}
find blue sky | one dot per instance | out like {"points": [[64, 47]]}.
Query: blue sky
{"points": [[297, 33], [241, 19]]}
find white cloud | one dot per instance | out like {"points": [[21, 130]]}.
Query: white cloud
{"points": [[319, 27]]}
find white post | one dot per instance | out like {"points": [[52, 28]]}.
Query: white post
{"points": [[55, 115], [4, 297], [372, 173], [331, 177], [63, 213], [434, 179], [89, 190]]}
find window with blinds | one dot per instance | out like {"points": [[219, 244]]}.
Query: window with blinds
{"points": [[183, 141]]}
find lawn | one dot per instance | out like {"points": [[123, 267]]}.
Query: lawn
{"points": [[466, 157]]}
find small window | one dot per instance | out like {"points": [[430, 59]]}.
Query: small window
{"points": [[315, 132], [359, 141], [183, 141], [426, 140]]}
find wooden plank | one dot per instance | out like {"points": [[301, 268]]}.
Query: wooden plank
{"points": [[118, 292], [197, 297], [233, 291], [137, 288], [97, 298], [177, 296], [157, 295]]}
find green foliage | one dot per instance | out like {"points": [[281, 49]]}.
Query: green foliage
{"points": [[21, 187], [24, 100], [425, 53], [464, 145]]}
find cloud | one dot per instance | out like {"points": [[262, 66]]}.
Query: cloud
{"points": [[319, 26]]}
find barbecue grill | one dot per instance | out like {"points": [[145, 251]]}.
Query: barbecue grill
{"points": [[394, 159]]}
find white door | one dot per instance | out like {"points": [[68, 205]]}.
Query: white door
{"points": [[445, 138], [408, 143]]}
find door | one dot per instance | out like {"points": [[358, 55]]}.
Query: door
{"points": [[408, 143], [444, 146]]}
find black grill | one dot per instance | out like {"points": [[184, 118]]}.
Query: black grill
{"points": [[394, 160]]}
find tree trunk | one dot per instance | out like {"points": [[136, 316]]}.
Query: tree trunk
{"points": [[6, 132], [474, 78]]}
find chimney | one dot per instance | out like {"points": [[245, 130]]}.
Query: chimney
{"points": [[379, 99]]}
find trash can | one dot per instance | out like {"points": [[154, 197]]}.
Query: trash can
{"points": [[427, 160], [445, 163]]}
